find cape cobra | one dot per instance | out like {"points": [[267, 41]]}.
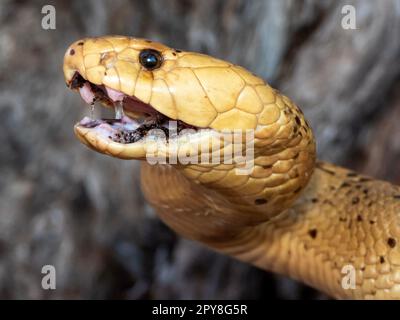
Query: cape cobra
{"points": [[312, 221]]}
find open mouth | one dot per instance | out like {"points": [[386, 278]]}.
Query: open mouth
{"points": [[133, 120]]}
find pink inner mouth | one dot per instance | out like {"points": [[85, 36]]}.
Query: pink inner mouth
{"points": [[130, 103], [122, 129]]}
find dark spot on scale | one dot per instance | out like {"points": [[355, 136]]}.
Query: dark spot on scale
{"points": [[297, 119], [149, 41], [371, 221], [345, 185], [72, 52], [174, 54], [396, 196], [382, 259], [358, 186], [178, 51], [268, 167], [342, 219], [362, 268], [260, 201], [391, 242], [359, 218], [313, 233], [365, 191], [350, 191], [352, 174], [326, 170], [314, 200], [297, 190], [327, 201], [355, 200]]}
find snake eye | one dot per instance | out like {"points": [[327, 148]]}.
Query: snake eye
{"points": [[150, 59]]}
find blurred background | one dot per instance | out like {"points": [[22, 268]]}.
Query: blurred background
{"points": [[64, 205]]}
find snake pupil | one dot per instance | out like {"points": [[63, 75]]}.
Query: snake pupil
{"points": [[150, 59]]}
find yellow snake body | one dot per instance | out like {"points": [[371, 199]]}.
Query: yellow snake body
{"points": [[290, 215]]}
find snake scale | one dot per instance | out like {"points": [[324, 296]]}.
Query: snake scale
{"points": [[292, 214]]}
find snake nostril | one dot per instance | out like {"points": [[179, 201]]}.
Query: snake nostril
{"points": [[72, 52]]}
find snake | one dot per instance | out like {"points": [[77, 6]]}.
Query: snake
{"points": [[291, 214]]}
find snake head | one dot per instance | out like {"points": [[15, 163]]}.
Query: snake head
{"points": [[154, 88]]}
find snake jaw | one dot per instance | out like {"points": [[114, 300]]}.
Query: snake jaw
{"points": [[124, 136]]}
